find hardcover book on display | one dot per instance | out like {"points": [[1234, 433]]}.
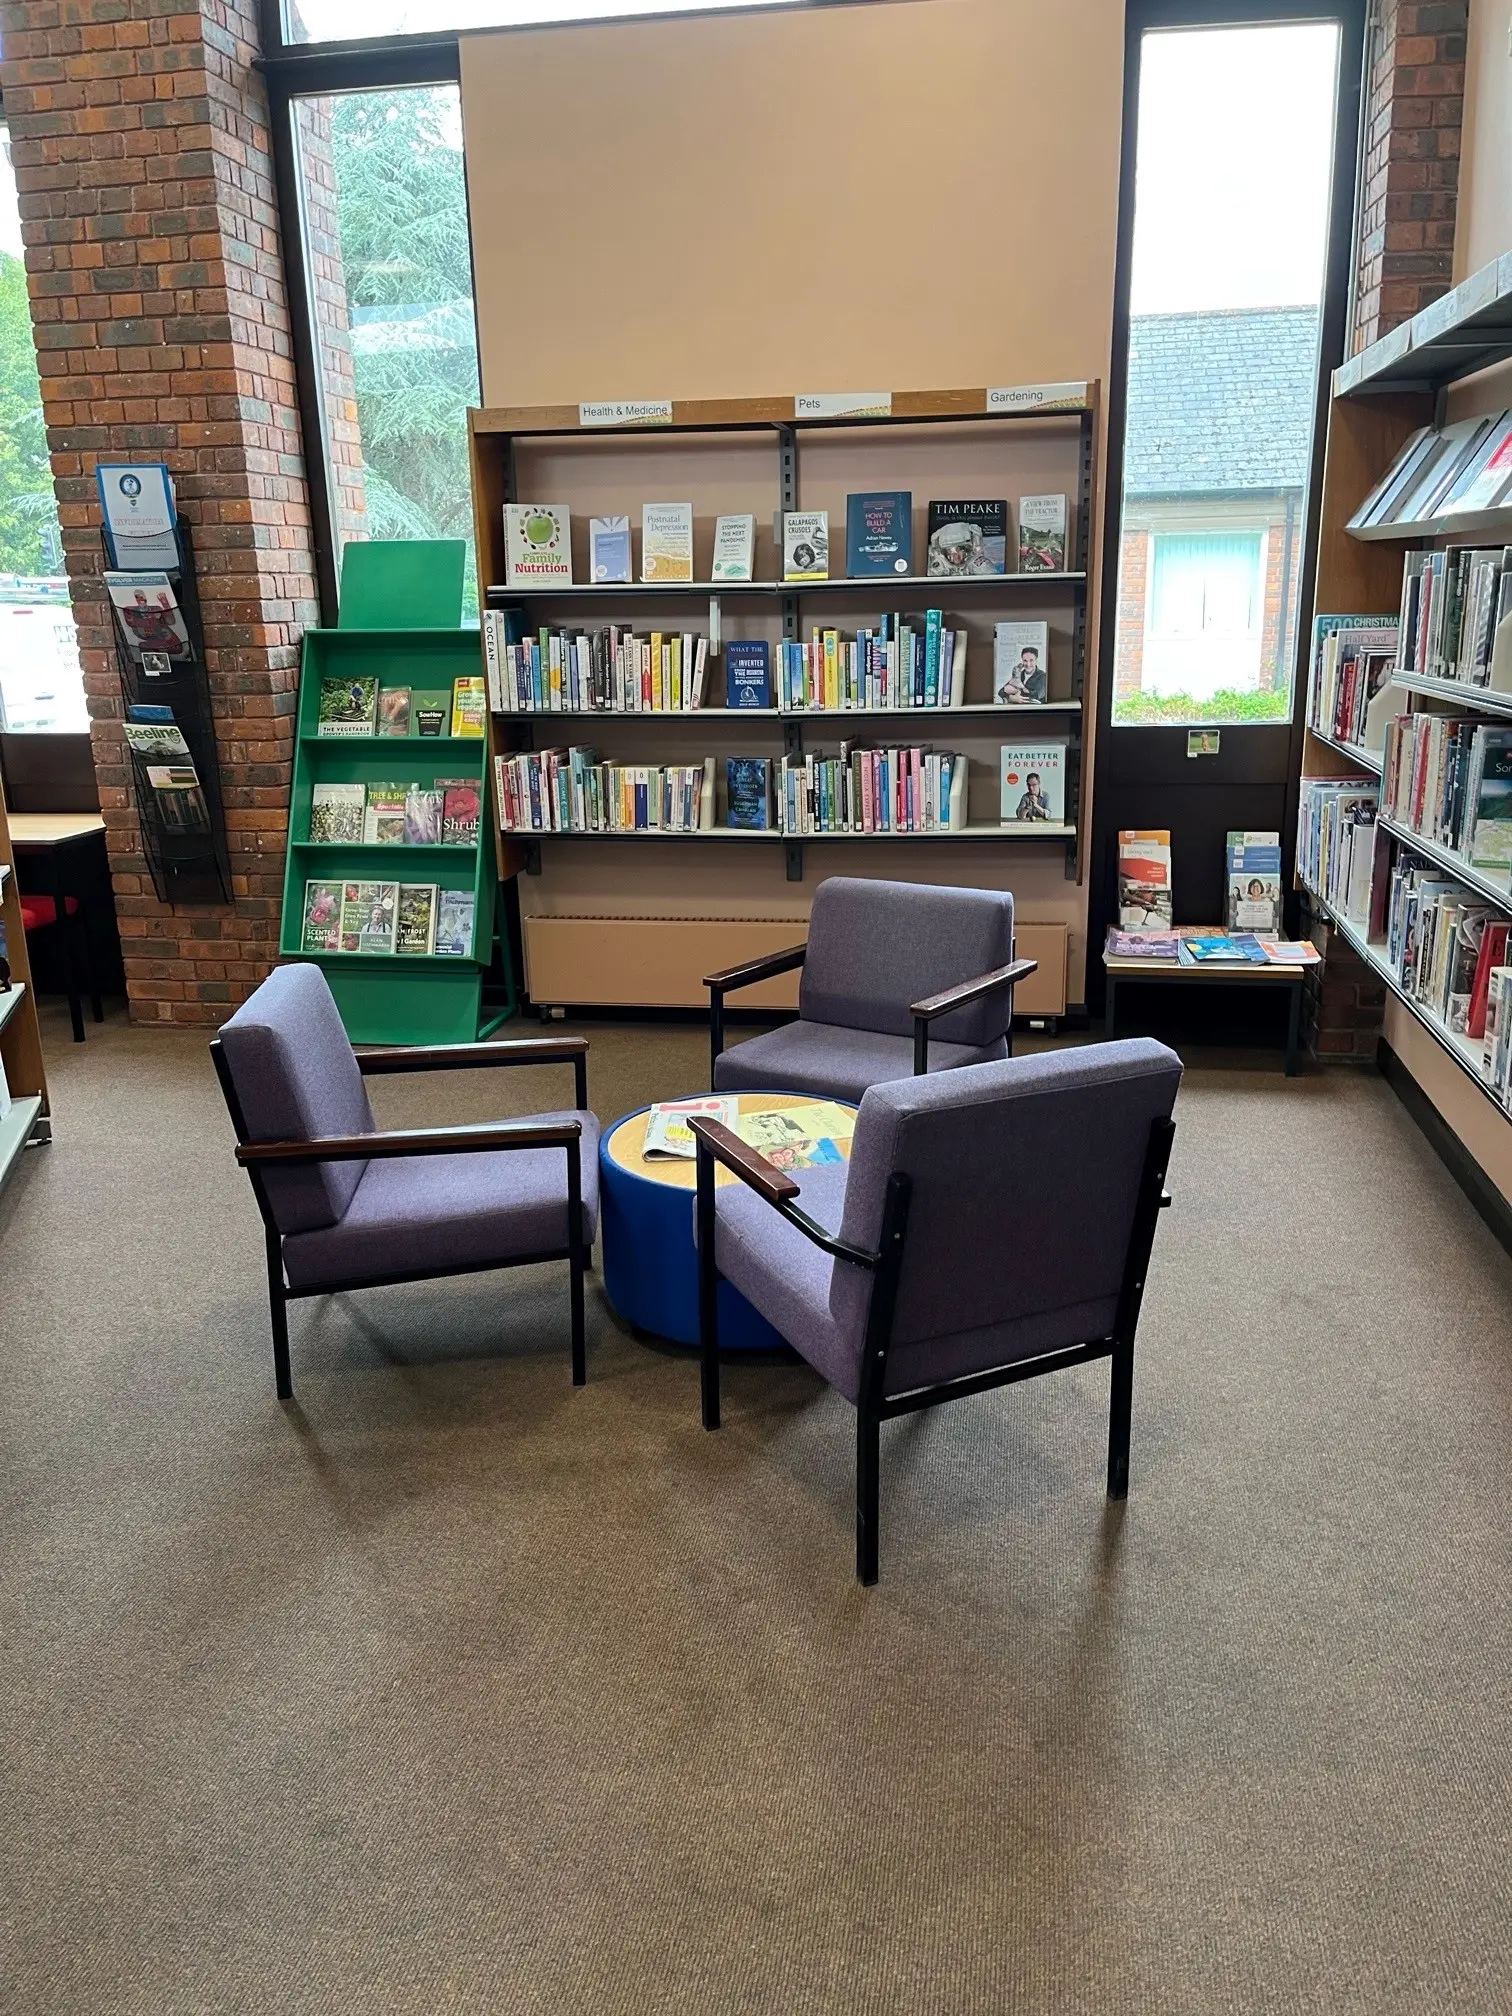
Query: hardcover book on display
{"points": [[1144, 879], [667, 542], [336, 813], [322, 917], [1033, 779], [1020, 663], [369, 912], [469, 706], [422, 816], [748, 672], [537, 545], [968, 536], [805, 545], [415, 933], [348, 707], [1254, 882], [460, 813], [383, 821], [609, 549], [879, 533], [394, 710], [455, 910], [734, 548], [748, 792], [1042, 535]]}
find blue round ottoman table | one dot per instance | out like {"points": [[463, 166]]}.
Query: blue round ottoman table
{"points": [[646, 1223]]}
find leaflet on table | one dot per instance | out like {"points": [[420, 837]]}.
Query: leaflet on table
{"points": [[667, 1130], [136, 500], [1221, 948], [148, 612], [798, 1137], [1143, 945]]}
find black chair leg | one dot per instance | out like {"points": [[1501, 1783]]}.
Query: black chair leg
{"points": [[1120, 1413], [68, 933], [868, 1495], [278, 1310], [708, 1293], [579, 1328]]}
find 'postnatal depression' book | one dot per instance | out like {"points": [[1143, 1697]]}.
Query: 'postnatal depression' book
{"points": [[415, 933], [1041, 535], [667, 542], [805, 545], [348, 707], [878, 533], [748, 792], [734, 547], [609, 549], [537, 545], [1254, 883], [968, 536], [1033, 778], [336, 812], [455, 910], [322, 917], [748, 672], [369, 913], [1021, 663], [1144, 879]]}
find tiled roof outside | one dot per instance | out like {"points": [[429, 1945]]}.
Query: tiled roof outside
{"points": [[1220, 401]]}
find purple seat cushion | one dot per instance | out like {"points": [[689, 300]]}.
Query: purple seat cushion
{"points": [[296, 1078], [786, 1276], [874, 948], [841, 1063], [450, 1211]]}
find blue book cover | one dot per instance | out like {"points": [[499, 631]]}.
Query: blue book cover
{"points": [[748, 673], [879, 533], [748, 787]]}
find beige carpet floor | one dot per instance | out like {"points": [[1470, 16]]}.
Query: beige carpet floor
{"points": [[453, 1689]]}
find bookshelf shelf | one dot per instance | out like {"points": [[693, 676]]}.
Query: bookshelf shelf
{"points": [[1475, 699], [397, 852], [1465, 331], [16, 1130], [1451, 863], [1368, 759], [946, 586], [689, 714], [443, 744], [1454, 525], [10, 1002]]}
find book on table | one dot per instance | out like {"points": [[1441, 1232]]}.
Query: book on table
{"points": [[1150, 945], [798, 1137], [668, 1135], [1221, 948]]}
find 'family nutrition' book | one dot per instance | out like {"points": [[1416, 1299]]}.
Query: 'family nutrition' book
{"points": [[537, 545]]}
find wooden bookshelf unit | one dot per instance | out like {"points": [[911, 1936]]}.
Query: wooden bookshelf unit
{"points": [[764, 457]]}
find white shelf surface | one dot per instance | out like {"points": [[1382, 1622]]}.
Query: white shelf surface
{"points": [[1452, 525], [10, 1002], [1478, 699], [1451, 863], [1368, 759], [15, 1132], [871, 584], [788, 713]]}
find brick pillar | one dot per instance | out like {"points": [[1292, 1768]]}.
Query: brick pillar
{"points": [[1414, 107], [141, 149]]}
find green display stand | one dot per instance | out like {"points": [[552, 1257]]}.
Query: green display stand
{"points": [[386, 998], [402, 584]]}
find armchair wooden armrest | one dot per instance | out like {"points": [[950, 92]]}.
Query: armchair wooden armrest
{"points": [[925, 1012], [490, 1134], [746, 974], [717, 1144], [571, 1050]]}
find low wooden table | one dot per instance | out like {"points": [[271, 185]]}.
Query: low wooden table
{"points": [[1124, 972], [58, 839], [646, 1223]]}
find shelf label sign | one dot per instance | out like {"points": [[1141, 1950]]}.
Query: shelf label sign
{"points": [[1037, 398], [842, 406], [625, 413]]}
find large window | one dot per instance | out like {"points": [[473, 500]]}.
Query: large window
{"points": [[389, 272], [1233, 178], [346, 20], [41, 685]]}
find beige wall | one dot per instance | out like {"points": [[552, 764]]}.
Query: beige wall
{"points": [[907, 195], [1483, 222]]}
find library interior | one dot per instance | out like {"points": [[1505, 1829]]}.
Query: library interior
{"points": [[901, 1399]]}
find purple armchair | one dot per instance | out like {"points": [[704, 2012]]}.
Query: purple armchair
{"points": [[345, 1206], [992, 1224], [899, 979]]}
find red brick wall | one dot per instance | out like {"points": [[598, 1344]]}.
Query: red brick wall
{"points": [[140, 141], [1414, 106]]}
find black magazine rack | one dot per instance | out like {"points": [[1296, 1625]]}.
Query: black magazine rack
{"points": [[188, 858]]}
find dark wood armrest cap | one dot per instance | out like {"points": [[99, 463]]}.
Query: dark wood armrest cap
{"points": [[974, 990], [749, 971], [378, 1147], [468, 1056], [743, 1161]]}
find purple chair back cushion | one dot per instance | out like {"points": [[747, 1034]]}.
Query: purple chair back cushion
{"points": [[296, 1078], [874, 948], [1024, 1175]]}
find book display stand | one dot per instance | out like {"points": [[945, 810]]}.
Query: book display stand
{"points": [[186, 855], [26, 1118], [392, 996], [764, 458], [1382, 400]]}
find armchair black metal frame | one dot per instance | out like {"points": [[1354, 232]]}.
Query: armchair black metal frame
{"points": [[490, 1136], [771, 964], [716, 1144]]}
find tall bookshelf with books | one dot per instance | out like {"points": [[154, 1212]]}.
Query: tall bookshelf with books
{"points": [[1405, 819], [720, 634], [391, 882]]}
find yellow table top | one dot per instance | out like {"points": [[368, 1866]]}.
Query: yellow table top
{"points": [[623, 1145], [46, 829]]}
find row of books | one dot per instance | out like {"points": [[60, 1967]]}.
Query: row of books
{"points": [[1353, 660], [1451, 781], [1441, 471], [414, 919], [963, 536], [1442, 942], [357, 706], [442, 814], [1338, 842], [1456, 615], [874, 791], [571, 791], [1209, 948], [609, 669]]}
